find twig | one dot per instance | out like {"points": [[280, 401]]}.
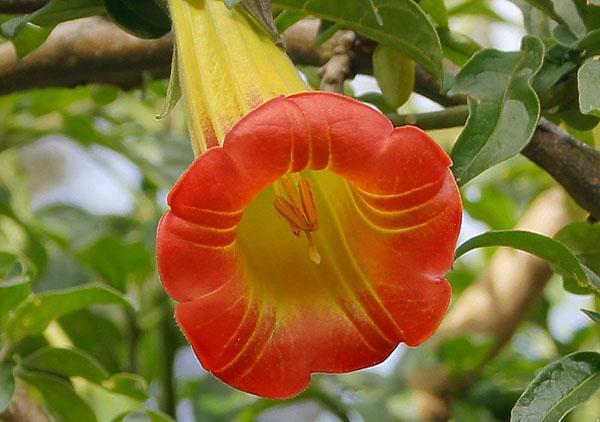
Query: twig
{"points": [[339, 66], [449, 117]]}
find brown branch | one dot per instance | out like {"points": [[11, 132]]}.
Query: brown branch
{"points": [[92, 50], [339, 66], [9, 7], [573, 164]]}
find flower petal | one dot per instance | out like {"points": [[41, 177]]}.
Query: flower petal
{"points": [[260, 315]]}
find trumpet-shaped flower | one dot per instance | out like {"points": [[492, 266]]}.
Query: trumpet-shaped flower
{"points": [[310, 236]]}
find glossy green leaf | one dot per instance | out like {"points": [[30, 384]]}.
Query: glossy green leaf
{"points": [[504, 108], [395, 74], [130, 385], [404, 25], [545, 247], [558, 388], [37, 311], [588, 82], [66, 363], [143, 18], [61, 401], [7, 384]]}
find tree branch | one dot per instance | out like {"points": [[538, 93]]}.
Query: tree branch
{"points": [[93, 50], [9, 7], [84, 51]]}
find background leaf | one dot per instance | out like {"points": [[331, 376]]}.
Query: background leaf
{"points": [[504, 109], [558, 388], [130, 385], [59, 397], [588, 81], [583, 239], [12, 293], [395, 75], [37, 311], [545, 247], [7, 385], [66, 363], [405, 26]]}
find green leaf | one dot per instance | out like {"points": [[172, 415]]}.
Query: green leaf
{"points": [[143, 18], [437, 10], [583, 239], [594, 316], [588, 82], [66, 363], [457, 47], [545, 247], [12, 293], [465, 353], [7, 385], [504, 108], [29, 38], [130, 385], [59, 397], [37, 311], [558, 388], [395, 75], [116, 261], [287, 18], [25, 32], [405, 26], [82, 328], [145, 416]]}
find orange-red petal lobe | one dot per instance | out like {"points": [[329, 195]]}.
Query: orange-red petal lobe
{"points": [[258, 312]]}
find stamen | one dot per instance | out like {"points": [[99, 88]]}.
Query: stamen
{"points": [[288, 211], [300, 210], [293, 195], [308, 203]]}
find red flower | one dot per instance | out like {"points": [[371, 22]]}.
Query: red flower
{"points": [[315, 239]]}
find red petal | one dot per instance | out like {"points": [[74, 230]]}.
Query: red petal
{"points": [[258, 313]]}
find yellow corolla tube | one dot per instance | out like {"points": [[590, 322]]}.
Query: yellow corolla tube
{"points": [[227, 67]]}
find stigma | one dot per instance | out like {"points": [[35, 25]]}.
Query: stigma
{"points": [[297, 205]]}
